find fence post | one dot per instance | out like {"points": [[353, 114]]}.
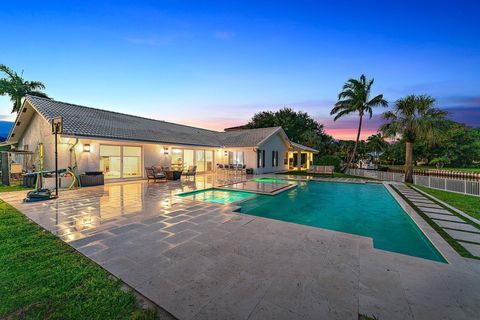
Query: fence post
{"points": [[465, 188], [429, 184]]}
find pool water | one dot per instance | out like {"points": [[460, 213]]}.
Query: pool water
{"points": [[362, 209], [273, 180], [218, 195]]}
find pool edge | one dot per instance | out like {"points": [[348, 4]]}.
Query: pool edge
{"points": [[435, 239]]}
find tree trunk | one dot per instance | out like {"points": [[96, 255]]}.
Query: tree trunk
{"points": [[408, 162], [356, 144]]}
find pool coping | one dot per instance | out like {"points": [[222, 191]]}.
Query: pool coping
{"points": [[442, 246]]}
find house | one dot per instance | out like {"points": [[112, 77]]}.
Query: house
{"points": [[121, 145]]}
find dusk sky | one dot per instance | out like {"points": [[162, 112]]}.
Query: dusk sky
{"points": [[213, 64]]}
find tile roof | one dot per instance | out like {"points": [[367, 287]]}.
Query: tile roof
{"points": [[90, 122], [302, 147], [246, 137]]}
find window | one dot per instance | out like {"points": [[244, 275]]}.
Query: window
{"points": [[274, 158], [120, 162], [260, 158], [235, 157], [177, 159]]}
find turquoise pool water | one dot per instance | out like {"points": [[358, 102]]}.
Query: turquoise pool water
{"points": [[363, 209], [217, 195]]}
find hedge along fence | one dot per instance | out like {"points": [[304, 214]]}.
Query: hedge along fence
{"points": [[328, 160], [464, 186]]}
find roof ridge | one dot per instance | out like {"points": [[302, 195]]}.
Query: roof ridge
{"points": [[121, 113], [248, 129]]}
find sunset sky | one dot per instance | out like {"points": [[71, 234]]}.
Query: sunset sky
{"points": [[214, 64]]}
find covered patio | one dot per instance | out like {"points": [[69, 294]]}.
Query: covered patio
{"points": [[300, 157]]}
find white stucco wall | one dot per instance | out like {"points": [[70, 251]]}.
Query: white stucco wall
{"points": [[274, 143], [39, 131]]}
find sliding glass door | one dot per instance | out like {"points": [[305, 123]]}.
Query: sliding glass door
{"points": [[208, 160], [132, 162], [111, 161], [120, 161], [185, 158], [200, 160]]}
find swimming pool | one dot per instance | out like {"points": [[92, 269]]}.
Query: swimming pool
{"points": [[217, 195], [362, 209]]}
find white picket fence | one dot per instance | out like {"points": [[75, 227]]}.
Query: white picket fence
{"points": [[470, 187]]}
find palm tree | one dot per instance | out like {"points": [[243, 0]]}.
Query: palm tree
{"points": [[414, 117], [376, 143], [17, 88], [355, 98]]}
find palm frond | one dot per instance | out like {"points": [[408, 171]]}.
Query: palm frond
{"points": [[35, 85], [342, 113], [38, 94], [12, 74]]}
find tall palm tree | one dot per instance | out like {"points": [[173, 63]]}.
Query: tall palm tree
{"points": [[414, 117], [355, 98], [376, 143], [17, 88]]}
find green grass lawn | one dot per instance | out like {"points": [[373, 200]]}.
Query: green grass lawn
{"points": [[335, 175], [4, 188], [43, 278], [433, 167], [468, 204]]}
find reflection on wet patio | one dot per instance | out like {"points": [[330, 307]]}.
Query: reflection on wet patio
{"points": [[79, 213]]}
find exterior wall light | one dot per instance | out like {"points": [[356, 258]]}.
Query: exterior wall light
{"points": [[165, 150], [86, 147]]}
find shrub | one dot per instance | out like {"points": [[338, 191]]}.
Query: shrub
{"points": [[439, 162], [328, 160]]}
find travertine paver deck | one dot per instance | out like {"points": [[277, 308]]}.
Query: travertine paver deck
{"points": [[201, 260], [451, 224]]}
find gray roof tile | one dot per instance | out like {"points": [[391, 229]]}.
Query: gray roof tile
{"points": [[90, 122]]}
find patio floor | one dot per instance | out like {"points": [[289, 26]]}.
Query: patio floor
{"points": [[201, 260]]}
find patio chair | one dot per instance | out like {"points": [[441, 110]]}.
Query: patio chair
{"points": [[155, 175], [191, 172]]}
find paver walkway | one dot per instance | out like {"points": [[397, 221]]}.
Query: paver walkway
{"points": [[466, 234], [201, 260]]}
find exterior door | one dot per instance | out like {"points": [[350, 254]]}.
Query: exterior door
{"points": [[200, 160], [120, 161]]}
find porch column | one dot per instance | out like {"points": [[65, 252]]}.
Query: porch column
{"points": [[299, 160]]}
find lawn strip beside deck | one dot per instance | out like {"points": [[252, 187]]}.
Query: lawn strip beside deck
{"points": [[468, 204], [43, 278], [451, 241]]}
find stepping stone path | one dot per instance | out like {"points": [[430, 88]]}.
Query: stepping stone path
{"points": [[466, 234]]}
